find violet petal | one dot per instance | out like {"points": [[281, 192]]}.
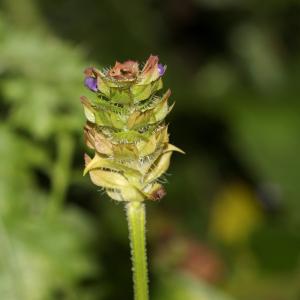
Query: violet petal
{"points": [[91, 83], [161, 69]]}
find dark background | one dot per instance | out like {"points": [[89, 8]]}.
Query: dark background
{"points": [[229, 225]]}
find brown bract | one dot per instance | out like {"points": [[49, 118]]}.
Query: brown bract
{"points": [[91, 72], [89, 135], [96, 140], [124, 71], [150, 65], [158, 194]]}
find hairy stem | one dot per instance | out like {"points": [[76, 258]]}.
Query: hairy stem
{"points": [[136, 217]]}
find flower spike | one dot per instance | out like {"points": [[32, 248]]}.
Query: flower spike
{"points": [[126, 130]]}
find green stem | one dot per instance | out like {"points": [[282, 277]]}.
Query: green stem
{"points": [[136, 217]]}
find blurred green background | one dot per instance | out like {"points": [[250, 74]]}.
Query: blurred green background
{"points": [[229, 227]]}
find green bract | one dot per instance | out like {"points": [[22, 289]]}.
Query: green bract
{"points": [[125, 129]]}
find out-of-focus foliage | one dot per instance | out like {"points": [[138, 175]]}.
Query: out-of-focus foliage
{"points": [[229, 226], [44, 252], [185, 287], [235, 214], [38, 66]]}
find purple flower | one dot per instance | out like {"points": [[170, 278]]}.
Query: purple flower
{"points": [[91, 83], [161, 69]]}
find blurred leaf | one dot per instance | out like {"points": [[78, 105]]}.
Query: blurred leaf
{"points": [[39, 256], [179, 286], [235, 214], [42, 83]]}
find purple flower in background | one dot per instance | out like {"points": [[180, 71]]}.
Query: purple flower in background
{"points": [[161, 69], [91, 83]]}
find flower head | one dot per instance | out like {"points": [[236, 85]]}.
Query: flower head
{"points": [[126, 131]]}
